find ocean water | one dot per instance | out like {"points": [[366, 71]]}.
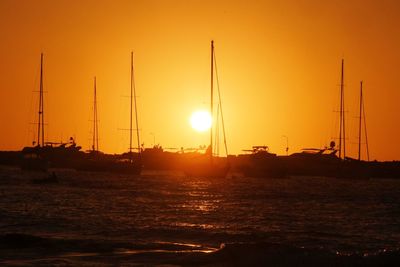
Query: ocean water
{"points": [[165, 218]]}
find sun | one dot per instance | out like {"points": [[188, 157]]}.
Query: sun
{"points": [[201, 120]]}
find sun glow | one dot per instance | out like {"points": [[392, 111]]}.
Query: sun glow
{"points": [[201, 120]]}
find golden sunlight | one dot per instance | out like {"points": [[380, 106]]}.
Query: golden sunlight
{"points": [[201, 120]]}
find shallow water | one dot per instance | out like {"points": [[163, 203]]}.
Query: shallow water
{"points": [[157, 218]]}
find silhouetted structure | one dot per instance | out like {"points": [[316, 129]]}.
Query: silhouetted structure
{"points": [[205, 165], [262, 163], [99, 162], [45, 154], [33, 158]]}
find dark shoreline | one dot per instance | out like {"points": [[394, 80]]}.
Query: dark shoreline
{"points": [[255, 165]]}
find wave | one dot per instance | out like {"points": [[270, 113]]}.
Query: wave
{"points": [[271, 254], [30, 250]]}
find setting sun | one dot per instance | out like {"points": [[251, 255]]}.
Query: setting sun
{"points": [[201, 120]]}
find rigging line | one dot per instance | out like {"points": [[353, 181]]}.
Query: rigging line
{"points": [[94, 117], [334, 119], [212, 100], [220, 105], [130, 114], [365, 129], [133, 85], [31, 115], [216, 147], [95, 120]]}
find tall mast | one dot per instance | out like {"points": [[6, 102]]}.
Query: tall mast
{"points": [[130, 118], [360, 119], [342, 133], [343, 113], [212, 102], [133, 89], [95, 145], [40, 136]]}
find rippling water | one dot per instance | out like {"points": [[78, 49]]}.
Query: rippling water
{"points": [[90, 218]]}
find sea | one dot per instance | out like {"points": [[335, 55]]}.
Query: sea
{"points": [[167, 219]]}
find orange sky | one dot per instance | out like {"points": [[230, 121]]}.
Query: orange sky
{"points": [[278, 64]]}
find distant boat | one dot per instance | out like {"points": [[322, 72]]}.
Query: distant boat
{"points": [[33, 157], [99, 162], [43, 154], [207, 165], [325, 162], [261, 163], [357, 168]]}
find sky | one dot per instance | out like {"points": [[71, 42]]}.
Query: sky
{"points": [[278, 65]]}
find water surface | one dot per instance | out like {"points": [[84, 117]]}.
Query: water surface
{"points": [[156, 218]]}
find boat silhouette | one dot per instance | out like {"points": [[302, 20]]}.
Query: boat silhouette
{"points": [[128, 163], [261, 163], [33, 157], [207, 165], [310, 161]]}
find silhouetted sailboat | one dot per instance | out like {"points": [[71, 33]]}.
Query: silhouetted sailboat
{"points": [[261, 163], [209, 166], [132, 165], [99, 162], [349, 167], [32, 157], [43, 154]]}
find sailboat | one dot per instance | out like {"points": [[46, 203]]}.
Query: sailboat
{"points": [[132, 165], [99, 162], [348, 167], [33, 157], [208, 165], [43, 154]]}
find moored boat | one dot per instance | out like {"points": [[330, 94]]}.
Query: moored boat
{"points": [[206, 165]]}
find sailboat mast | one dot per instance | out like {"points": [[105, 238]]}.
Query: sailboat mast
{"points": [[359, 122], [212, 102], [342, 120], [95, 145], [343, 113], [40, 136], [130, 118], [133, 88]]}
